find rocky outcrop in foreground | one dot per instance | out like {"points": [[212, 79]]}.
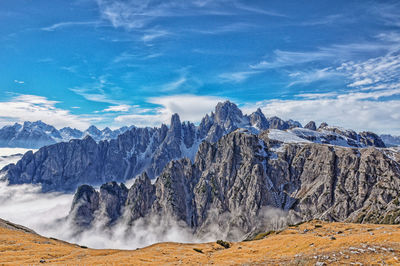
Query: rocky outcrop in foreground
{"points": [[235, 183]]}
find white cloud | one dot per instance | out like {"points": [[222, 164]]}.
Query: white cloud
{"points": [[189, 107], [25, 204], [358, 111], [19, 81], [32, 108], [317, 95], [359, 83], [118, 108]]}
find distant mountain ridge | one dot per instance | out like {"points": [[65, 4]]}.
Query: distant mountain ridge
{"points": [[64, 166], [34, 135], [390, 141]]}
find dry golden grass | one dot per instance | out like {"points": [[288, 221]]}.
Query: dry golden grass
{"points": [[306, 244]]}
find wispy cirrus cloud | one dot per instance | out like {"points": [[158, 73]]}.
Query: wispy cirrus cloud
{"points": [[101, 90], [237, 77], [62, 25], [174, 85], [288, 58], [95, 95], [152, 35], [19, 81], [228, 28], [71, 69], [313, 75], [387, 12], [384, 42], [327, 20], [135, 56], [371, 101], [332, 56], [184, 82], [138, 14], [374, 71]]}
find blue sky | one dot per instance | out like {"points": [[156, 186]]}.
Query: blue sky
{"points": [[123, 62]]}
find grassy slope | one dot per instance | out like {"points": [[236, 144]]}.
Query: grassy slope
{"points": [[364, 243]]}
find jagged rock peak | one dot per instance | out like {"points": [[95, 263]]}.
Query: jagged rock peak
{"points": [[85, 203], [227, 111], [93, 130], [257, 119], [277, 123], [323, 124], [176, 126], [311, 125], [175, 120], [88, 138], [371, 139], [142, 179]]}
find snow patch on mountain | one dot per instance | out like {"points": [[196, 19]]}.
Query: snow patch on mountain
{"points": [[286, 136]]}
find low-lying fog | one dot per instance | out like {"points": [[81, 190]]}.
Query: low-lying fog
{"points": [[11, 155], [46, 214]]}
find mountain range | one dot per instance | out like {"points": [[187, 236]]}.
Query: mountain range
{"points": [[66, 165], [34, 135], [227, 174], [232, 183]]}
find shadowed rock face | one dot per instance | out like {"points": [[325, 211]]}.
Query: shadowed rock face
{"points": [[311, 125], [86, 202], [232, 181]]}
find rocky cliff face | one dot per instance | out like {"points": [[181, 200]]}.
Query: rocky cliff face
{"points": [[231, 183]]}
